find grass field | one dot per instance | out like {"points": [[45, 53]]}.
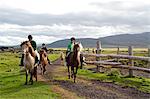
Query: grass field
{"points": [[136, 51], [53, 57], [113, 76], [12, 81]]}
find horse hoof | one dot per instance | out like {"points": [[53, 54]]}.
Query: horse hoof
{"points": [[31, 83], [68, 76], [72, 76]]}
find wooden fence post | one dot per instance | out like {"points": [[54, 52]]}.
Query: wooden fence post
{"points": [[148, 65], [118, 49], [98, 51], [88, 50], [130, 51]]}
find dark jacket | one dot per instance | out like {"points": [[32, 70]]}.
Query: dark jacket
{"points": [[33, 43], [44, 48]]}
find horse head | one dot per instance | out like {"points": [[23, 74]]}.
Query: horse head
{"points": [[76, 47], [27, 48], [43, 54], [24, 47]]}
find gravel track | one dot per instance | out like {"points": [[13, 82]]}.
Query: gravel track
{"points": [[86, 89]]}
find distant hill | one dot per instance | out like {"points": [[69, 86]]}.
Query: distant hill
{"points": [[138, 40], [87, 42]]}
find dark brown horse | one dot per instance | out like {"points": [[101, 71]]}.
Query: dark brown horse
{"points": [[73, 61]]}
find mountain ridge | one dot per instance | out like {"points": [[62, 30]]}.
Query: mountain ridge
{"points": [[138, 40]]}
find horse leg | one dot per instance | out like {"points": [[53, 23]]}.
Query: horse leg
{"points": [[44, 69], [26, 77], [31, 80], [72, 71], [76, 69], [75, 74], [68, 72], [81, 60], [41, 67], [35, 73]]}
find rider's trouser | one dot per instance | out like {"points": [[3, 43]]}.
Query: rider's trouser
{"points": [[21, 61], [67, 56]]}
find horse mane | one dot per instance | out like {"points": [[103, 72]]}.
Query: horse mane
{"points": [[30, 50], [42, 52], [75, 48], [25, 42], [75, 51]]}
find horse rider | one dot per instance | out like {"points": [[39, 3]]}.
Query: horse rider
{"points": [[33, 44], [70, 48], [46, 50]]}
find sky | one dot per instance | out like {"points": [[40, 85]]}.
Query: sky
{"points": [[52, 20]]}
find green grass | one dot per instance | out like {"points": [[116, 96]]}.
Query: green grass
{"points": [[136, 51], [139, 83], [53, 57], [12, 81]]}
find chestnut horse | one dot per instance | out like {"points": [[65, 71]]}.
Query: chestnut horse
{"points": [[43, 60], [73, 61], [29, 61]]}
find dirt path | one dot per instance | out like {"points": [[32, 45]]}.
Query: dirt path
{"points": [[56, 76]]}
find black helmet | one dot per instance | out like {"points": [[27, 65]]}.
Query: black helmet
{"points": [[43, 44], [73, 39], [30, 37]]}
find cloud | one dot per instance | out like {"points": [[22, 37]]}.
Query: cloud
{"points": [[105, 18], [9, 40], [13, 40]]}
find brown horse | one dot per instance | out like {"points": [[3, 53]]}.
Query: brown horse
{"points": [[29, 61], [73, 61], [43, 60]]}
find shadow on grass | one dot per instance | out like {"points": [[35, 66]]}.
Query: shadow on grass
{"points": [[14, 82], [13, 75], [19, 87]]}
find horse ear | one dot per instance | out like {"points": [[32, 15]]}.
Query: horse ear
{"points": [[21, 43], [77, 42]]}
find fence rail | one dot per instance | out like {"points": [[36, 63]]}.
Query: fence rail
{"points": [[108, 63], [117, 65], [119, 56]]}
